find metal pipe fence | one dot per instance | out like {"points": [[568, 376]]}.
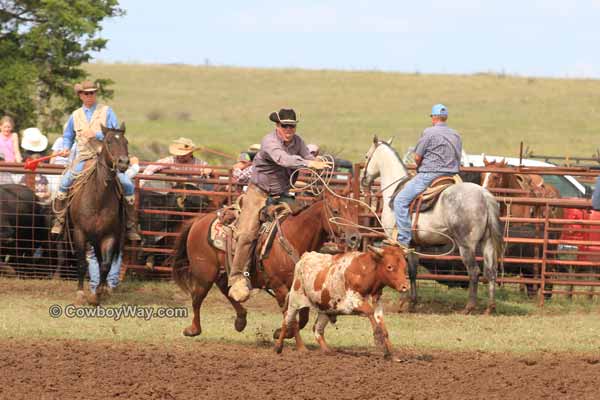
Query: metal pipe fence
{"points": [[548, 255]]}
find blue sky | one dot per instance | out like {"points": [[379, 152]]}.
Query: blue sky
{"points": [[529, 38]]}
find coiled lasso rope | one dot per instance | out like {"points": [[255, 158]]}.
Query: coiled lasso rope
{"points": [[324, 177]]}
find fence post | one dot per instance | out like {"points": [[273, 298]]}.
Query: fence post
{"points": [[544, 254]]}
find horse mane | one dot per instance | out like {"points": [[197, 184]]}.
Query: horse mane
{"points": [[389, 146]]}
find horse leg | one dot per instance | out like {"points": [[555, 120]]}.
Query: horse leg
{"points": [[240, 311], [468, 257], [80, 249], [490, 270], [199, 292], [281, 293], [413, 262], [303, 315], [107, 253]]}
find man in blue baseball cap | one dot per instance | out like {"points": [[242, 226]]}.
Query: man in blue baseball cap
{"points": [[437, 153]]}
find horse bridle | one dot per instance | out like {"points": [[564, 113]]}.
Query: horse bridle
{"points": [[398, 181]]}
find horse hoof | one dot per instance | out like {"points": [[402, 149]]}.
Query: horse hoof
{"points": [[289, 333], [80, 298], [191, 332], [490, 310], [240, 323], [278, 349], [468, 310], [276, 333]]}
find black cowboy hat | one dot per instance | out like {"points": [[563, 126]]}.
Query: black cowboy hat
{"points": [[284, 116]]}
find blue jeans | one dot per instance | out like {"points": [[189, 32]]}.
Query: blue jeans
{"points": [[412, 189], [69, 176], [596, 195], [94, 270]]}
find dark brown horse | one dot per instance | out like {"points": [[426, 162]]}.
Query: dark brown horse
{"points": [[95, 211], [197, 265]]}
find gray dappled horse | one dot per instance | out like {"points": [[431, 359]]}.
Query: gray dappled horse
{"points": [[466, 212]]}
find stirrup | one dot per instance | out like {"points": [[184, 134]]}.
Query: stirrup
{"points": [[57, 228]]}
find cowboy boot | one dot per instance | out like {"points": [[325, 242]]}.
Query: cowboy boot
{"points": [[60, 208], [132, 233], [240, 285]]}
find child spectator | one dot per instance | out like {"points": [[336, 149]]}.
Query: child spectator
{"points": [[9, 141]]}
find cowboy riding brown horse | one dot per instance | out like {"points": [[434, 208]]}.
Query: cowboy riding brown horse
{"points": [[95, 211], [197, 264]]}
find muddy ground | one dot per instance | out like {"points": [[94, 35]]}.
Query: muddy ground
{"points": [[59, 369]]}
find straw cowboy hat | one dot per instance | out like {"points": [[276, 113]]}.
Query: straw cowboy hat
{"points": [[181, 147], [85, 86], [284, 116], [34, 140]]}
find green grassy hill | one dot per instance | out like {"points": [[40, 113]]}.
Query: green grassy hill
{"points": [[227, 108]]}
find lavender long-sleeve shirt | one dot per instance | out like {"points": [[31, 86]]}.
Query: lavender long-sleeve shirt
{"points": [[275, 162]]}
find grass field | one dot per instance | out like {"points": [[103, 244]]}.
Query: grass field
{"points": [[519, 327], [227, 108]]}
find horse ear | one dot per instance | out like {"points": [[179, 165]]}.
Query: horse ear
{"points": [[375, 139], [104, 129], [376, 251], [122, 128], [390, 140]]}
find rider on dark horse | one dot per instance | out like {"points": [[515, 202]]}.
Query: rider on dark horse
{"points": [[84, 124], [437, 154], [282, 152]]}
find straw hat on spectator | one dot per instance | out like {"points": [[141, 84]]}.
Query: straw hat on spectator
{"points": [[181, 147], [34, 140], [254, 147]]}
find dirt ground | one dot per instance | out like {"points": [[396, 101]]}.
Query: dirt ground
{"points": [[60, 369]]}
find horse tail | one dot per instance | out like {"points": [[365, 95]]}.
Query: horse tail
{"points": [[494, 229], [180, 266]]}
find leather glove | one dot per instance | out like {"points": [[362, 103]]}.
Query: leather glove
{"points": [[318, 164]]}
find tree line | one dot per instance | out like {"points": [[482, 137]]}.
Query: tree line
{"points": [[43, 44]]}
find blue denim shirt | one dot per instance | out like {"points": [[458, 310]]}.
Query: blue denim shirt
{"points": [[69, 132]]}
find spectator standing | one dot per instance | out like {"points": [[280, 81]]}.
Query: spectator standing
{"points": [[9, 141], [34, 144]]}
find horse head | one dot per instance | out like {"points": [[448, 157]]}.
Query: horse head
{"points": [[492, 180], [341, 216], [371, 170], [115, 151]]}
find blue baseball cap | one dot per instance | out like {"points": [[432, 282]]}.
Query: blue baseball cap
{"points": [[439, 109]]}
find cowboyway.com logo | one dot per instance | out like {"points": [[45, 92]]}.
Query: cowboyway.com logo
{"points": [[116, 313]]}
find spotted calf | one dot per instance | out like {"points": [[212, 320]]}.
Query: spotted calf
{"points": [[342, 284]]}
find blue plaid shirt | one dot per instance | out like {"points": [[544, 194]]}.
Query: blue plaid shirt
{"points": [[441, 149]]}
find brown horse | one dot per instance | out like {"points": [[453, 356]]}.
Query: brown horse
{"points": [[95, 210], [534, 186], [197, 265]]}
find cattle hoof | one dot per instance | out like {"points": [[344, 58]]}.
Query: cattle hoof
{"points": [[240, 323], [80, 298], [191, 332]]}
